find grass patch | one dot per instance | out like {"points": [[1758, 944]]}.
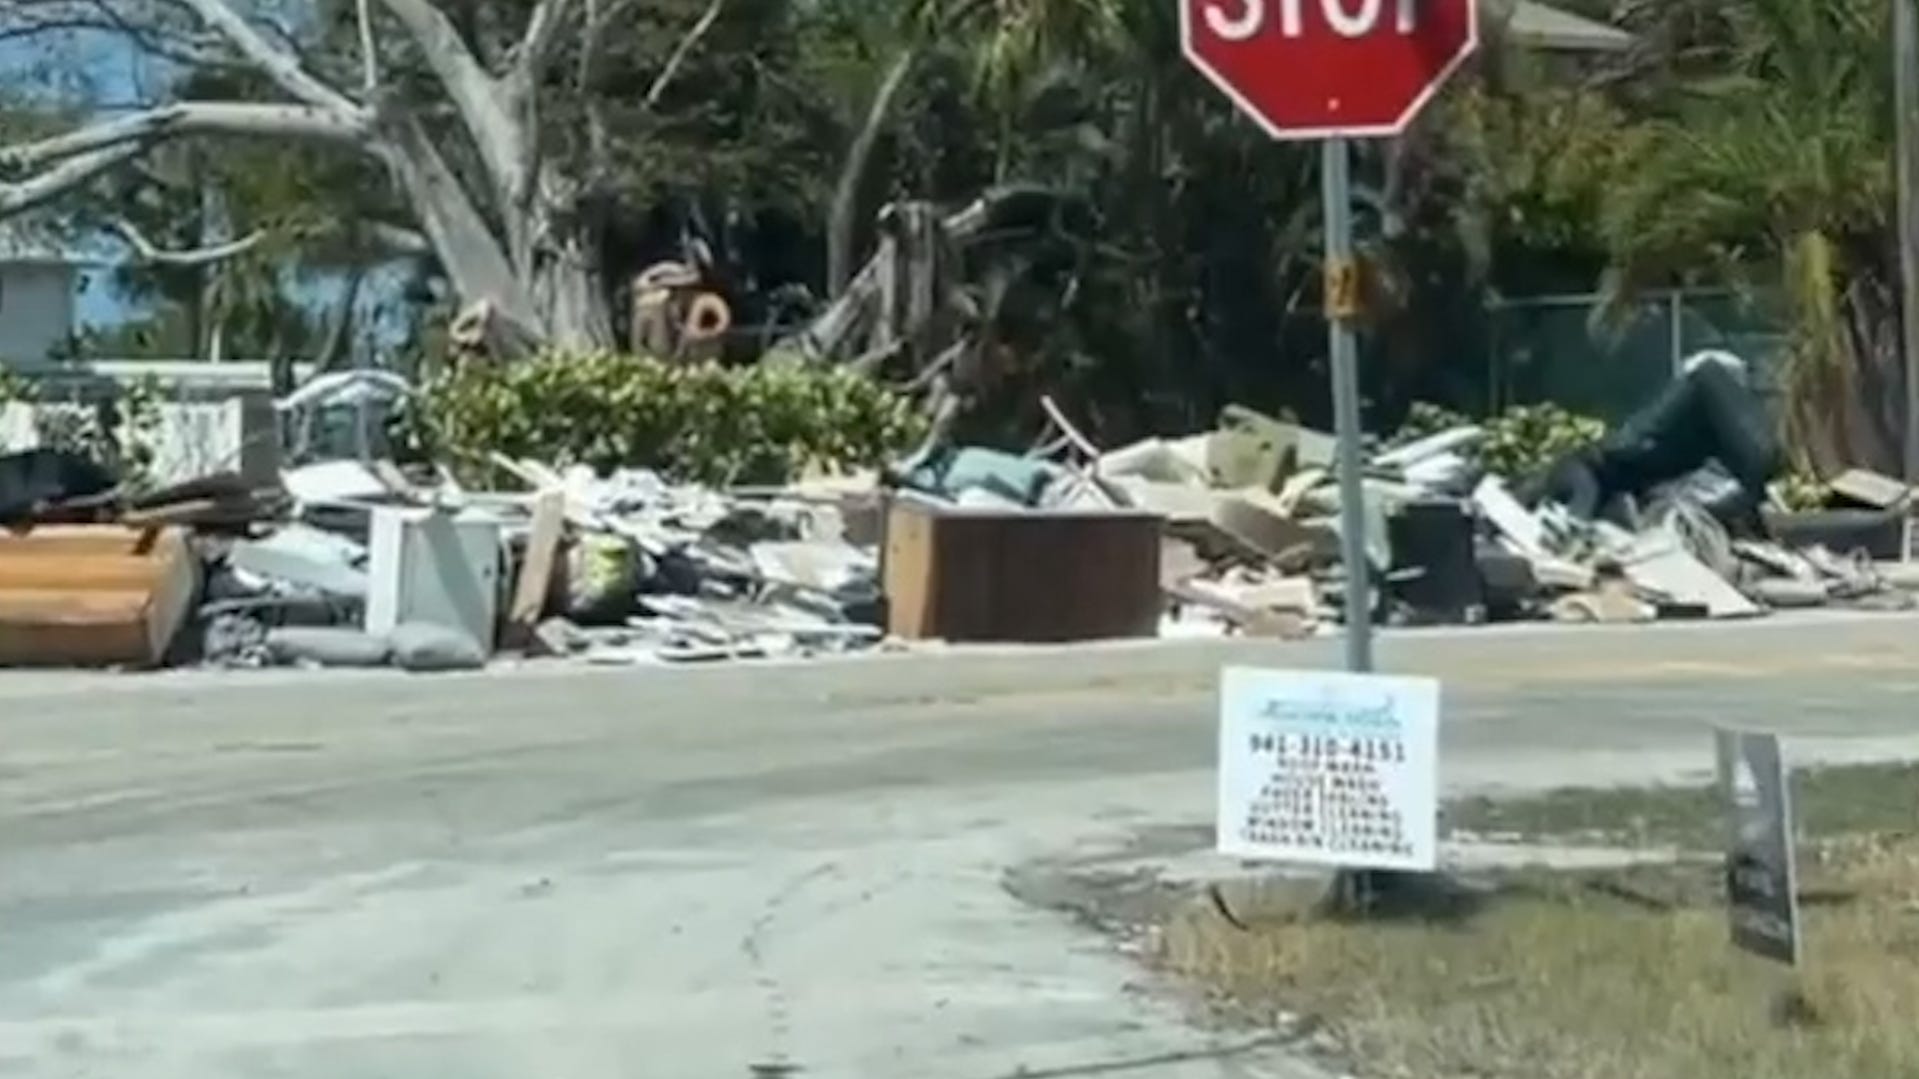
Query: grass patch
{"points": [[1624, 974], [1834, 801]]}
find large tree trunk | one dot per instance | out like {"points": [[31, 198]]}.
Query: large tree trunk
{"points": [[570, 291], [472, 257]]}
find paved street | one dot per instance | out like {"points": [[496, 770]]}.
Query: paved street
{"points": [[582, 872]]}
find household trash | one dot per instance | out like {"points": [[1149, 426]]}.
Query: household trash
{"points": [[951, 473], [301, 557], [326, 646], [35, 482], [1709, 414], [426, 646], [1232, 531]]}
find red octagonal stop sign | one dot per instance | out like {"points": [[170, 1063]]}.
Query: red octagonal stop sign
{"points": [[1323, 68]]}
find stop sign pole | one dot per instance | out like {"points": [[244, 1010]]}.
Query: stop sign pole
{"points": [[1334, 70], [1339, 300]]}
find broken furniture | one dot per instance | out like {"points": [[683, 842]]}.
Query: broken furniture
{"points": [[92, 595], [435, 567], [981, 574]]}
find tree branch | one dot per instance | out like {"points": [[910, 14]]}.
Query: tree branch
{"points": [[71, 173], [467, 248], [146, 250], [476, 95], [369, 57], [100, 16], [685, 47], [400, 241], [841, 224], [279, 65], [185, 118], [542, 31]]}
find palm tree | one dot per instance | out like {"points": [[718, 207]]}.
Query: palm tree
{"points": [[1012, 41], [1775, 164]]}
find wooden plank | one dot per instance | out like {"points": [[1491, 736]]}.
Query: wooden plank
{"points": [[908, 570], [536, 569]]}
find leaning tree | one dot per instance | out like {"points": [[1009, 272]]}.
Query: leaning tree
{"points": [[451, 99], [488, 116]]}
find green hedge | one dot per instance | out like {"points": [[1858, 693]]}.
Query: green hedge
{"points": [[698, 422]]}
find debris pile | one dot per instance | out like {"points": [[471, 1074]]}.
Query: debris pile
{"points": [[1672, 516], [613, 569], [356, 562]]}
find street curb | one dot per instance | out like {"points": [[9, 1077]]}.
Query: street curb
{"points": [[964, 673]]}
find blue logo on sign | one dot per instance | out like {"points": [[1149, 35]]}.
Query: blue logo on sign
{"points": [[1335, 715]]}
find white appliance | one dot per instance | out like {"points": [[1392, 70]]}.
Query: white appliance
{"points": [[429, 565]]}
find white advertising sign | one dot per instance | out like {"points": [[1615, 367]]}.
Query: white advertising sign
{"points": [[1329, 769]]}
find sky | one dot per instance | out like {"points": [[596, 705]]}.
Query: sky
{"points": [[109, 75], [115, 76]]}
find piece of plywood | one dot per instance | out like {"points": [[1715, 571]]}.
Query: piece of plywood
{"points": [[1658, 562], [536, 568], [1870, 489]]}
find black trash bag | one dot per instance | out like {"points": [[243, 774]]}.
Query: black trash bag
{"points": [[1573, 481], [33, 479], [1706, 415]]}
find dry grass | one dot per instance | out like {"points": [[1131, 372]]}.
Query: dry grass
{"points": [[1831, 801], [1619, 976]]}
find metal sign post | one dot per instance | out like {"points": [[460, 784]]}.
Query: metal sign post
{"points": [[1762, 889], [1341, 302], [1333, 71]]}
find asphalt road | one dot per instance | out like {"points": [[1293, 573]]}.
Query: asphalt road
{"points": [[566, 872]]}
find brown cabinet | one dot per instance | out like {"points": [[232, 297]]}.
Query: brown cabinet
{"points": [[968, 574]]}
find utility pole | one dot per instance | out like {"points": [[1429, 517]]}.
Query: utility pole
{"points": [[1905, 61]]}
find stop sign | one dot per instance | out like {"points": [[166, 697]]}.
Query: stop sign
{"points": [[1322, 68]]}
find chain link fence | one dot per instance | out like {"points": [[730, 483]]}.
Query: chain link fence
{"points": [[1574, 352]]}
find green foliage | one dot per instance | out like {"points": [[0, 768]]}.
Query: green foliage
{"points": [[1425, 418], [738, 128], [1536, 164], [1527, 438], [700, 422], [1519, 442], [1801, 490], [1773, 160]]}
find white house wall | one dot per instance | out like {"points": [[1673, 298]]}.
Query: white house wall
{"points": [[192, 438], [36, 309]]}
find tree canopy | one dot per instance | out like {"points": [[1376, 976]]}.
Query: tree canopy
{"points": [[537, 153]]}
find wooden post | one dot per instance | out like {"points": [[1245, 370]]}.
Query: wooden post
{"points": [[1905, 52]]}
